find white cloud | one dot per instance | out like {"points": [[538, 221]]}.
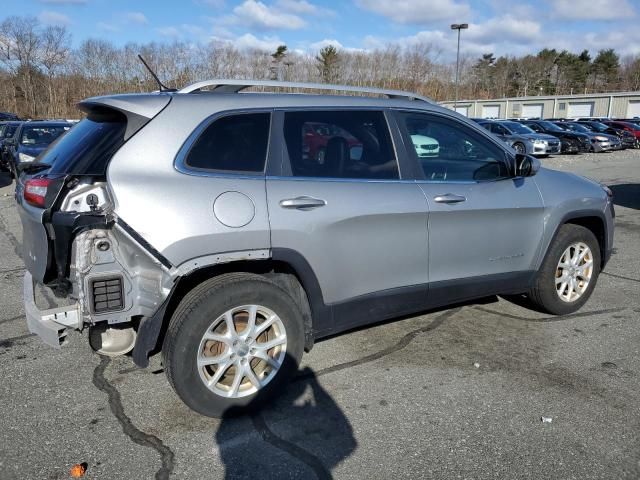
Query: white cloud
{"points": [[592, 9], [251, 42], [303, 7], [316, 46], [255, 14], [194, 30], [417, 11], [503, 35], [506, 29], [325, 43], [172, 32], [136, 17], [54, 18]]}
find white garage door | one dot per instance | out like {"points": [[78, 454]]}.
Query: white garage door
{"points": [[532, 110], [577, 110], [633, 110], [490, 111], [463, 110]]}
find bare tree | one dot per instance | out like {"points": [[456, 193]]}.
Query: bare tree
{"points": [[56, 42], [20, 43]]}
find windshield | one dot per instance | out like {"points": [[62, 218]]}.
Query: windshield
{"points": [[599, 127], [576, 127], [9, 130], [632, 126], [516, 127], [552, 127], [42, 135], [88, 146]]}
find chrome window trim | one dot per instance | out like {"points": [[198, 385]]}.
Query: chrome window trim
{"points": [[181, 166], [338, 180]]}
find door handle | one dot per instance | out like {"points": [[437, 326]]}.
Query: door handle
{"points": [[302, 203], [449, 198]]}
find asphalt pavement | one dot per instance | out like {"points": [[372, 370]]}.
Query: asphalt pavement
{"points": [[454, 393]]}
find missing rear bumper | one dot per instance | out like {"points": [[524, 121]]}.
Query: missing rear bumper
{"points": [[51, 324]]}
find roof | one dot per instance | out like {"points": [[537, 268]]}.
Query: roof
{"points": [[225, 95]]}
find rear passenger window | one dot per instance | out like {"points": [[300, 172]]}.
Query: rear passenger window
{"points": [[237, 143], [340, 144]]}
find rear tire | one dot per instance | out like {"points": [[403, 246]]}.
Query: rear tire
{"points": [[553, 290], [216, 357]]}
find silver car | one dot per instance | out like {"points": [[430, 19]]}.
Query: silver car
{"points": [[196, 224], [522, 139]]}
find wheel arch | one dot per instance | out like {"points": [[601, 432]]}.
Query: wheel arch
{"points": [[593, 220], [287, 268]]}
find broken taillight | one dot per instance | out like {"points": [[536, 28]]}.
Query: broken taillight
{"points": [[35, 191]]}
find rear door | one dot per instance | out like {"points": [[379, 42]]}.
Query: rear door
{"points": [[485, 227], [341, 202]]}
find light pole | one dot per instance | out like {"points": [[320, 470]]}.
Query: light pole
{"points": [[458, 27]]}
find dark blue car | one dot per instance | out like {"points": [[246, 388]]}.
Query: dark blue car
{"points": [[31, 139], [7, 131]]}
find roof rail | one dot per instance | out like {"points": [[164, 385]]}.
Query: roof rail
{"points": [[235, 86]]}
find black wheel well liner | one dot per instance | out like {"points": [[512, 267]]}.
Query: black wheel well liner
{"points": [[592, 220], [287, 268]]}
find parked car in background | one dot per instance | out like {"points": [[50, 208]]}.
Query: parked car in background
{"points": [[8, 116], [628, 139], [185, 223], [31, 139], [590, 119], [522, 138], [316, 141], [627, 127], [571, 142], [425, 146], [7, 132], [600, 142]]}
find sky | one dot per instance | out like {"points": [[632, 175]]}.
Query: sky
{"points": [[502, 27]]}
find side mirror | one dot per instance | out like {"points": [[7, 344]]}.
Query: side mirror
{"points": [[526, 165]]}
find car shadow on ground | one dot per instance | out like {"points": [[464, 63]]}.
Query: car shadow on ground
{"points": [[306, 431], [5, 179], [626, 195]]}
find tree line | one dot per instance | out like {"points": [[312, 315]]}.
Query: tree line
{"points": [[43, 76]]}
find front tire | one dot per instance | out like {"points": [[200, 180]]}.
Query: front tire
{"points": [[569, 271], [232, 343], [520, 148]]}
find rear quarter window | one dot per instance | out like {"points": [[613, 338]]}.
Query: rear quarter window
{"points": [[234, 143]]}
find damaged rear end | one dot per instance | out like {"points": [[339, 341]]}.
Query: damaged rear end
{"points": [[73, 242]]}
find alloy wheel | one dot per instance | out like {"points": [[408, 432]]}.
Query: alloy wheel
{"points": [[242, 351], [574, 272]]}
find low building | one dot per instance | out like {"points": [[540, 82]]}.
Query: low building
{"points": [[614, 105]]}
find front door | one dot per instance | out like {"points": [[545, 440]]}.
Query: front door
{"points": [[485, 227]]}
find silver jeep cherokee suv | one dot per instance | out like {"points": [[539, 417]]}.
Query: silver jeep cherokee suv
{"points": [[205, 224]]}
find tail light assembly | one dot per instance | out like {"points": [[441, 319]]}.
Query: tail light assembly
{"points": [[35, 191]]}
